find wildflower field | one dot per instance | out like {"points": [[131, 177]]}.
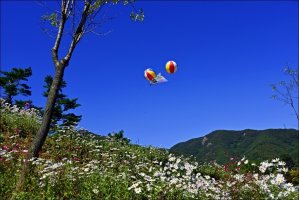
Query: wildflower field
{"points": [[76, 164]]}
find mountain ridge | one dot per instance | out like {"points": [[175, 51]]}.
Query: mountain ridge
{"points": [[221, 145]]}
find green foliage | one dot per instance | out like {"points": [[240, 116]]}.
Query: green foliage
{"points": [[256, 145], [288, 160], [119, 137], [19, 121], [13, 83], [294, 176], [51, 18], [27, 105], [61, 116], [137, 16]]}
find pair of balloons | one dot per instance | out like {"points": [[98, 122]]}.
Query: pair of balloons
{"points": [[150, 75]]}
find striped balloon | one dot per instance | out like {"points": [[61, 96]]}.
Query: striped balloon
{"points": [[149, 74], [171, 67]]}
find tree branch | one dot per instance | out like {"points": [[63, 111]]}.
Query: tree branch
{"points": [[284, 96], [99, 34], [67, 6], [295, 77], [291, 102], [78, 34], [59, 34]]}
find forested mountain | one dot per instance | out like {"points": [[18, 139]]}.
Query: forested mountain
{"points": [[221, 145]]}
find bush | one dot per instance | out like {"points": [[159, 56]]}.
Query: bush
{"points": [[19, 121]]}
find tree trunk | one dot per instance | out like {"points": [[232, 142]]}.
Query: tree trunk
{"points": [[9, 99], [44, 129], [46, 121]]}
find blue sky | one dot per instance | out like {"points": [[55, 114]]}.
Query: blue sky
{"points": [[228, 53]]}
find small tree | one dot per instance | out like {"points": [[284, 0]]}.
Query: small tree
{"points": [[119, 137], [287, 91], [80, 18], [62, 106], [13, 83]]}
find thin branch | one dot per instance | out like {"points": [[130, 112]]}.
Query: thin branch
{"points": [[281, 94], [48, 32], [40, 3], [99, 34], [98, 10], [43, 4], [282, 100], [296, 113], [291, 101], [93, 15], [59, 34], [78, 34], [132, 4], [69, 8], [295, 77], [93, 25], [74, 16]]}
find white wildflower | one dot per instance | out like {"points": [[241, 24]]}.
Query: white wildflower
{"points": [[142, 174], [264, 165], [137, 190], [157, 174], [284, 169], [96, 191], [148, 187], [171, 159], [279, 179], [239, 177], [281, 163], [275, 160]]}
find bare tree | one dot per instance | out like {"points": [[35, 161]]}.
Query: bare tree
{"points": [[287, 91], [81, 17]]}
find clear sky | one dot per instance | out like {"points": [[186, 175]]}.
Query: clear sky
{"points": [[228, 53]]}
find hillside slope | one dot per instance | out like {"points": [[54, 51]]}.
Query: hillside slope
{"points": [[77, 164]]}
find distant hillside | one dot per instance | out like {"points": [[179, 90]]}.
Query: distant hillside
{"points": [[257, 145]]}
